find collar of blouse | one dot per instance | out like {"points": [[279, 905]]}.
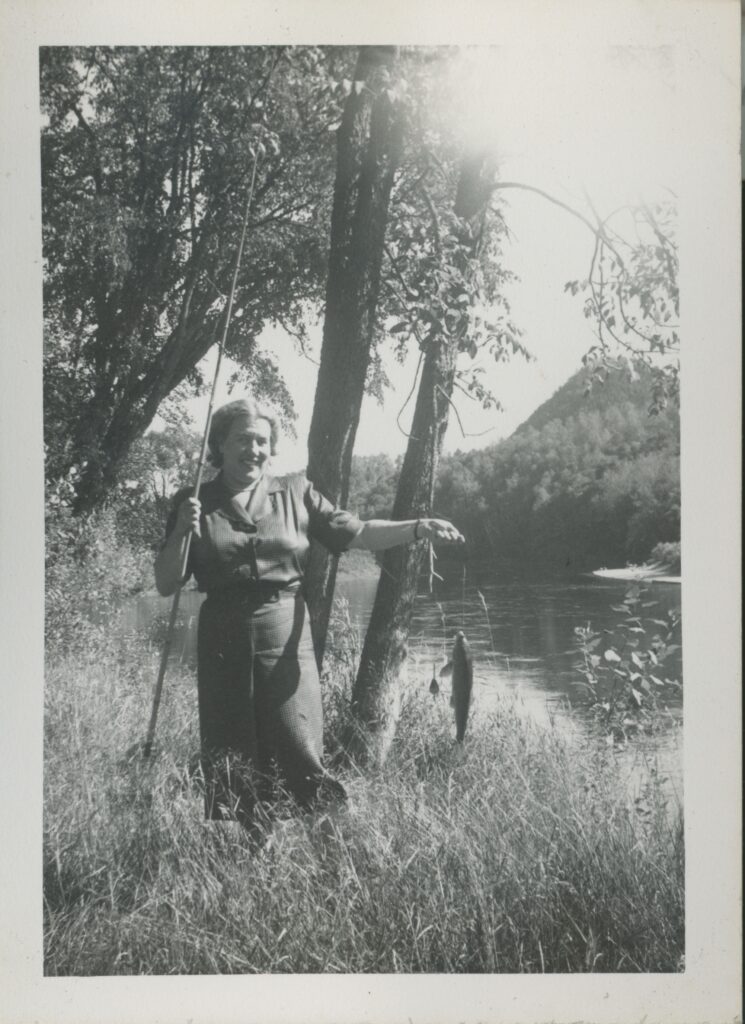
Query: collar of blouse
{"points": [[259, 503]]}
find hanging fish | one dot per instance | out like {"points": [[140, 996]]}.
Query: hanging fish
{"points": [[461, 667], [434, 686]]}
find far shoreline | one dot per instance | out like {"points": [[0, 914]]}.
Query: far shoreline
{"points": [[358, 564]]}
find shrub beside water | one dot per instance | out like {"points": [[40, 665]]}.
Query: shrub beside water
{"points": [[624, 673], [89, 570], [667, 553]]}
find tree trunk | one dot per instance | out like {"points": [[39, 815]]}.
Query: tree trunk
{"points": [[375, 696], [111, 426], [377, 689], [368, 155]]}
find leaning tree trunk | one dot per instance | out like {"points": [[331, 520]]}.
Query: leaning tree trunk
{"points": [[368, 154], [117, 416], [377, 688]]}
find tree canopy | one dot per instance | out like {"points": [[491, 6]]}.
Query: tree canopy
{"points": [[145, 159]]}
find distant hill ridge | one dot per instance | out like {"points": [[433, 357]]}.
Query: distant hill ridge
{"points": [[571, 398], [589, 479]]}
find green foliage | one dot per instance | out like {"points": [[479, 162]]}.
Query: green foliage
{"points": [[372, 486], [626, 684], [646, 492], [458, 487], [158, 465]]}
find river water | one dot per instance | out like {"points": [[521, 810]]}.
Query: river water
{"points": [[521, 632]]}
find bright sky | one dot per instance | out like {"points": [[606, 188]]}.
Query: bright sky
{"points": [[597, 122]]}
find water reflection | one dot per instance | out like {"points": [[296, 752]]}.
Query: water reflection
{"points": [[521, 632]]}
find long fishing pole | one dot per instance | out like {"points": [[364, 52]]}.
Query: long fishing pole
{"points": [[148, 744]]}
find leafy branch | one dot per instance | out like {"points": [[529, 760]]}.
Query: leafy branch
{"points": [[633, 289], [625, 681]]}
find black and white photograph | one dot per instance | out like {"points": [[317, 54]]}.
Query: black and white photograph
{"points": [[377, 422]]}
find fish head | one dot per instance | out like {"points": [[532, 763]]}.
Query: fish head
{"points": [[461, 659], [460, 643]]}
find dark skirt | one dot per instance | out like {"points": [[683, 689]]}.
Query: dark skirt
{"points": [[260, 714]]}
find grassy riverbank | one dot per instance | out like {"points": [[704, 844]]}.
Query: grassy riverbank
{"points": [[523, 855]]}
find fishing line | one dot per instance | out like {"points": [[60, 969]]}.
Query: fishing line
{"points": [[157, 694], [463, 598]]}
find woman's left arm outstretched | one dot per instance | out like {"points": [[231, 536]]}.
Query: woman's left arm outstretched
{"points": [[381, 534]]}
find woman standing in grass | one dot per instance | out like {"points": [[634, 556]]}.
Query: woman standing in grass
{"points": [[258, 686]]}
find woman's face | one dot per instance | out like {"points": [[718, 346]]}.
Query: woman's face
{"points": [[245, 450]]}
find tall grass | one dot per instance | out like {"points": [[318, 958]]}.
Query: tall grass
{"points": [[523, 853]]}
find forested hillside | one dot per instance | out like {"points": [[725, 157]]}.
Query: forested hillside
{"points": [[587, 480]]}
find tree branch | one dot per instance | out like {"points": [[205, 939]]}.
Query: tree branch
{"points": [[564, 206], [97, 172], [408, 397], [433, 215]]}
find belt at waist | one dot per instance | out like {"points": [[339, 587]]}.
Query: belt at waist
{"points": [[253, 591]]}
